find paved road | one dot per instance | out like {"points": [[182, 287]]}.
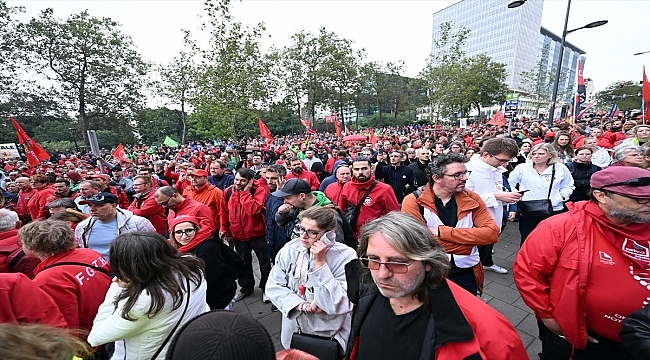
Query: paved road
{"points": [[500, 293]]}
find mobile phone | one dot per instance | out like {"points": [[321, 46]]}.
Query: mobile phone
{"points": [[523, 191]]}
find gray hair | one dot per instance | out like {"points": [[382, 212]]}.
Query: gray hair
{"points": [[549, 148], [47, 238], [438, 166], [62, 202], [8, 219], [414, 240], [622, 150]]}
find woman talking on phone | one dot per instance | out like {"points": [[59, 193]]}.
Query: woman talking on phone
{"points": [[307, 283]]}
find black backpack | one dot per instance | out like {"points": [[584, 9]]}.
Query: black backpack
{"points": [[234, 264]]}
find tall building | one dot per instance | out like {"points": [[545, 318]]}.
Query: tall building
{"points": [[569, 61], [513, 37]]}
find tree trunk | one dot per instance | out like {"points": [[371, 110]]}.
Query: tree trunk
{"points": [[183, 120]]}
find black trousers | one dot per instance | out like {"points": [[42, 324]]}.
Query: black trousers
{"points": [[244, 248], [463, 277], [557, 348], [528, 224]]}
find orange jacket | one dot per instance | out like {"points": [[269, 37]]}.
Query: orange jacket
{"points": [[457, 240], [208, 195]]}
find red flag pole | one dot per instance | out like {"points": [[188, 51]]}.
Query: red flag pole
{"points": [[35, 153]]}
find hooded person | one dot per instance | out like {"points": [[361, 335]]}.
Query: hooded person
{"points": [[221, 284]]}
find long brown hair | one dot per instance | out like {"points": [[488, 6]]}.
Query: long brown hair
{"points": [[146, 261]]}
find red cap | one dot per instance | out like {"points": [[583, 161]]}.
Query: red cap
{"points": [[198, 172], [182, 218]]}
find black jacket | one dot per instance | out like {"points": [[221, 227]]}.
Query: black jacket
{"points": [[420, 173], [221, 287], [400, 178], [635, 333], [276, 235], [581, 174]]}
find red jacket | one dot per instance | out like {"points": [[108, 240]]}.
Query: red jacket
{"points": [[147, 207], [471, 330], [242, 215], [333, 192], [9, 244], [380, 201], [308, 176], [614, 137], [201, 212], [38, 201], [24, 303], [552, 269], [122, 200], [21, 206], [77, 290]]}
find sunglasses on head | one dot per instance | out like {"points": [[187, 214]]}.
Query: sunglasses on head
{"points": [[642, 181]]}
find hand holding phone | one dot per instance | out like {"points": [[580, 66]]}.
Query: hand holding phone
{"points": [[523, 191]]}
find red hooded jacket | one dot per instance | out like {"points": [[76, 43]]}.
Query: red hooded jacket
{"points": [[381, 200], [147, 207], [242, 214], [24, 302], [76, 289], [38, 201]]}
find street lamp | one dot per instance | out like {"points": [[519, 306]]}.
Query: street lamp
{"points": [[556, 81], [641, 53]]}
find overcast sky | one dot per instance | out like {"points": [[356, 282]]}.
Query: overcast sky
{"points": [[388, 30]]}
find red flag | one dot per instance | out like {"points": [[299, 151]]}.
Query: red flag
{"points": [[35, 153], [264, 131], [337, 125], [498, 119], [645, 92], [305, 123], [329, 119], [311, 131], [373, 138], [119, 153]]}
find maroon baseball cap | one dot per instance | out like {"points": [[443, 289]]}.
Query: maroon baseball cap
{"points": [[626, 180]]}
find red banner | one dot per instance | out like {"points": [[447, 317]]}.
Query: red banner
{"points": [[305, 123], [373, 138], [119, 153], [264, 131], [498, 119], [645, 92], [35, 153], [330, 119]]}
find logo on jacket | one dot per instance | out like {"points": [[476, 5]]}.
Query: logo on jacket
{"points": [[635, 250], [368, 201], [605, 258]]}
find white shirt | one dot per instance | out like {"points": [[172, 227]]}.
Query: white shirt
{"points": [[528, 179], [485, 180], [601, 158]]}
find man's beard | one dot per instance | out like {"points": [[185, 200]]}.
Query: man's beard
{"points": [[630, 216], [297, 170], [401, 289], [362, 178]]}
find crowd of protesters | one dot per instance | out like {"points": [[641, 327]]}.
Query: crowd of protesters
{"points": [[128, 252]]}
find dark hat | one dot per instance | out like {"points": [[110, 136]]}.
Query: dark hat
{"points": [[221, 335], [293, 187], [626, 180], [100, 199], [317, 166], [116, 168]]}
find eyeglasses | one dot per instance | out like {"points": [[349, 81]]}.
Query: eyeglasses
{"points": [[166, 202], [186, 232], [638, 200], [312, 234], [394, 267], [501, 161], [140, 184], [459, 176]]}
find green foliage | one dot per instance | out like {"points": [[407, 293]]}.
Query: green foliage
{"points": [[627, 96], [153, 125], [233, 79], [382, 88], [55, 146], [88, 65], [10, 42], [282, 119], [457, 84]]}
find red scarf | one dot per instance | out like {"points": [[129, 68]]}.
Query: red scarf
{"points": [[632, 239]]}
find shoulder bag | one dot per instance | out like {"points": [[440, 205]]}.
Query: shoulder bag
{"points": [[169, 336], [538, 208], [352, 213], [324, 348]]}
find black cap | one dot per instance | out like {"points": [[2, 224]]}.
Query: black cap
{"points": [[100, 199], [293, 187]]}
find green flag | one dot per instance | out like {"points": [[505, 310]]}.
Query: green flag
{"points": [[170, 142]]}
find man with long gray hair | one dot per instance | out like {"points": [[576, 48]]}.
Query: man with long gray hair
{"points": [[406, 308]]}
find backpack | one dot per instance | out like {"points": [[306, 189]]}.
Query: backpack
{"points": [[234, 264], [16, 261], [348, 234]]}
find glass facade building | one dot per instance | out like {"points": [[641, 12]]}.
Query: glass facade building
{"points": [[513, 37]]}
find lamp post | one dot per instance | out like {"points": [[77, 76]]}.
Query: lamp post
{"points": [[556, 81], [641, 53]]}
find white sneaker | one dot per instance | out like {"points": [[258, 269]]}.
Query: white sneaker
{"points": [[240, 295], [496, 268], [266, 299]]}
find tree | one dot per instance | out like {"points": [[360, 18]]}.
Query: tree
{"points": [[538, 82], [483, 83], [380, 85], [153, 125], [626, 94], [90, 67], [233, 81], [177, 85]]}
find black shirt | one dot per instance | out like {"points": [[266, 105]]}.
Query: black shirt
{"points": [[400, 336], [448, 214]]}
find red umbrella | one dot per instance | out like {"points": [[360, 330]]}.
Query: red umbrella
{"points": [[355, 138]]}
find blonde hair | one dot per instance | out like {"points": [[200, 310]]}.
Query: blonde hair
{"points": [[549, 148], [39, 342]]}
